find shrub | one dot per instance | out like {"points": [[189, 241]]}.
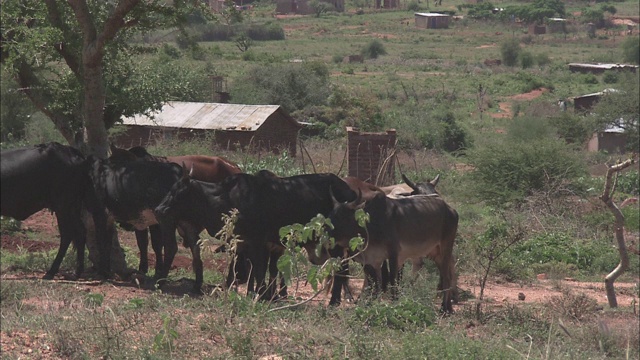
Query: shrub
{"points": [[526, 59], [572, 129], [508, 170], [374, 49], [610, 77], [510, 50], [542, 59], [631, 49]]}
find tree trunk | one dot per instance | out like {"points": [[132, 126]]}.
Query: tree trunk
{"points": [[607, 198]]}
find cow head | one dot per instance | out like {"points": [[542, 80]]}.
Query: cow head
{"points": [[178, 199], [428, 188], [195, 202], [343, 219]]}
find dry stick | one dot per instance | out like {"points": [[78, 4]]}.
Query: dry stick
{"points": [[309, 156], [607, 198], [344, 158], [384, 165]]}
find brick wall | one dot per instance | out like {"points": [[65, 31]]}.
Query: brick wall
{"points": [[368, 152]]}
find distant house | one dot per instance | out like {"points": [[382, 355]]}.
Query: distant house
{"points": [[266, 127], [612, 140], [584, 103], [557, 25], [537, 29], [432, 20], [601, 68]]}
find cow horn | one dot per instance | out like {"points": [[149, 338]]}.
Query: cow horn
{"points": [[409, 182], [434, 182], [333, 198], [357, 203], [185, 175], [191, 171]]}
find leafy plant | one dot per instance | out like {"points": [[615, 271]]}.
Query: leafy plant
{"points": [[166, 337], [373, 49], [510, 50], [402, 315]]}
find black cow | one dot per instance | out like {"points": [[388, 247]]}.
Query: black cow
{"points": [[265, 203], [130, 191], [201, 167], [56, 177], [400, 229]]}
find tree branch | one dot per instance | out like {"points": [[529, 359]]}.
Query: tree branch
{"points": [[56, 21]]}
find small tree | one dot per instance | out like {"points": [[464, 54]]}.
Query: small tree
{"points": [[607, 198], [510, 50], [631, 49], [320, 7], [374, 49]]}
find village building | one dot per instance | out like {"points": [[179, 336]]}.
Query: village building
{"points": [[230, 126]]}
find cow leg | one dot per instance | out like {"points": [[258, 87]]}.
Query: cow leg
{"points": [[193, 239], [67, 232], [340, 279], [157, 243], [259, 256], [170, 248], [142, 238], [394, 275]]}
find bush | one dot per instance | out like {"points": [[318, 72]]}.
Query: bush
{"points": [[526, 59], [610, 77], [293, 86], [631, 49], [374, 49], [511, 169], [510, 50], [542, 59], [572, 129]]}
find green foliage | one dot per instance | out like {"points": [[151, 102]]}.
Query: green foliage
{"points": [[9, 225], [292, 86], [610, 77], [620, 109], [373, 49], [526, 59], [510, 50], [405, 314], [631, 217], [537, 11], [282, 164], [509, 169], [413, 6], [628, 183], [15, 110], [482, 11], [94, 299], [320, 7], [166, 337], [573, 129], [560, 247], [542, 59], [631, 49]]}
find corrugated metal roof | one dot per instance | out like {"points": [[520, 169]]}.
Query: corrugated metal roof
{"points": [[207, 116], [602, 66], [432, 14]]}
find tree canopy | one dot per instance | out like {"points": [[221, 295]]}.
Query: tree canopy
{"points": [[73, 60]]}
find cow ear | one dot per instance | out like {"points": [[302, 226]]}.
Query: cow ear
{"points": [[409, 182], [435, 180]]}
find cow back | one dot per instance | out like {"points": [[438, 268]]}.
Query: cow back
{"points": [[43, 176], [267, 203], [129, 188]]}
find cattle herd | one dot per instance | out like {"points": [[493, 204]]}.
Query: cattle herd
{"points": [[189, 194]]}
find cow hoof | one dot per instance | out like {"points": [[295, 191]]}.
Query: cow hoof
{"points": [[48, 276]]}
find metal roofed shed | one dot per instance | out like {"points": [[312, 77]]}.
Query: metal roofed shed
{"points": [[432, 20], [600, 68], [231, 125]]}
